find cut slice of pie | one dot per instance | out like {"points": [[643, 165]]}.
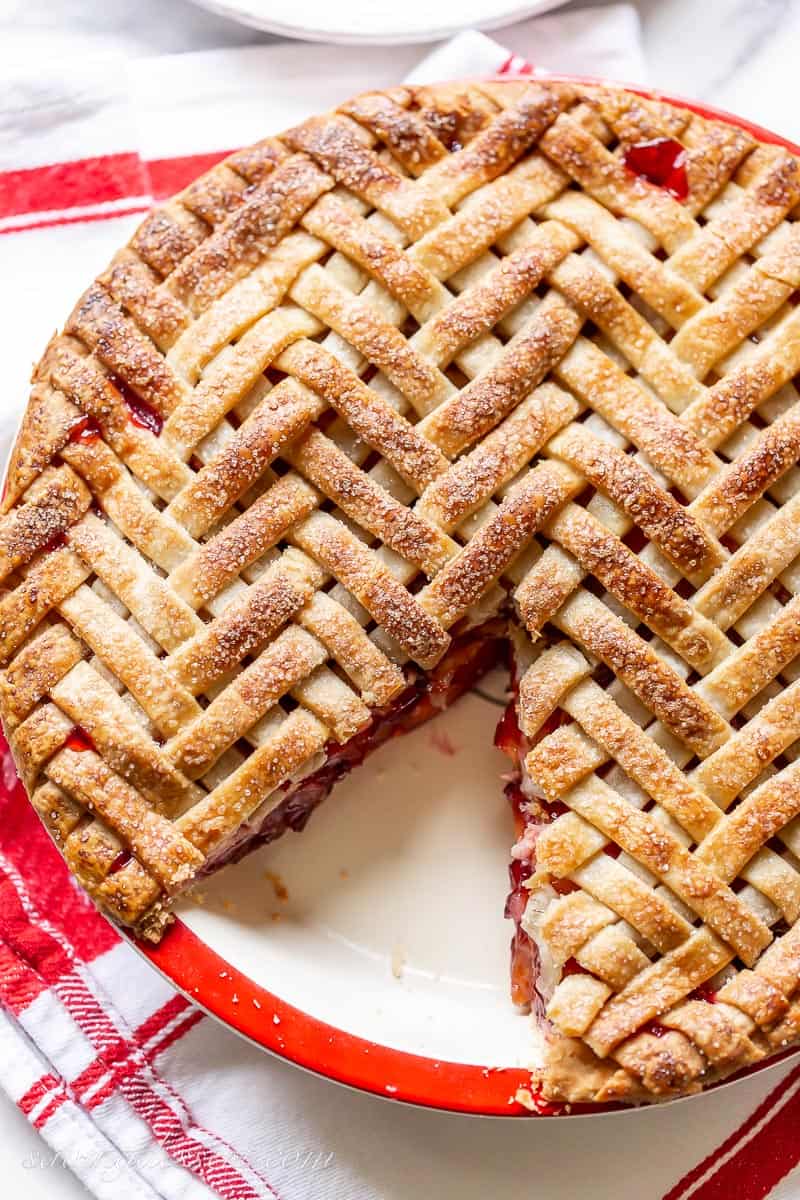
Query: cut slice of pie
{"points": [[446, 362]]}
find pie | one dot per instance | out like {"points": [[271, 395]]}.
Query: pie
{"points": [[449, 374]]}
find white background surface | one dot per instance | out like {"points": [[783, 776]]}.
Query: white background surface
{"points": [[376, 22], [738, 54]]}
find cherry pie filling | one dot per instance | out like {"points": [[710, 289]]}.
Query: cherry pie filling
{"points": [[86, 429], [140, 413], [531, 813], [661, 161]]}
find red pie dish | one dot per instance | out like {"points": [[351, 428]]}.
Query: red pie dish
{"points": [[480, 390]]}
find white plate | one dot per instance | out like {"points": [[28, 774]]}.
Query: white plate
{"points": [[376, 21]]}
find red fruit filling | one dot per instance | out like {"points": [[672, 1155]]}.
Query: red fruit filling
{"points": [[573, 967], [78, 739], [529, 818], [508, 735], [84, 430], [141, 413], [564, 886], [54, 543], [122, 860], [524, 960], [704, 992], [661, 161]]}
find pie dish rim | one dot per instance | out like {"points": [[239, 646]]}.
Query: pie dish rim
{"points": [[210, 982]]}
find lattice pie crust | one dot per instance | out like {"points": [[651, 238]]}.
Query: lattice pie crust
{"points": [[434, 360]]}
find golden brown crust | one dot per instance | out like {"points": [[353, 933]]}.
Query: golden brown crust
{"points": [[437, 351]]}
